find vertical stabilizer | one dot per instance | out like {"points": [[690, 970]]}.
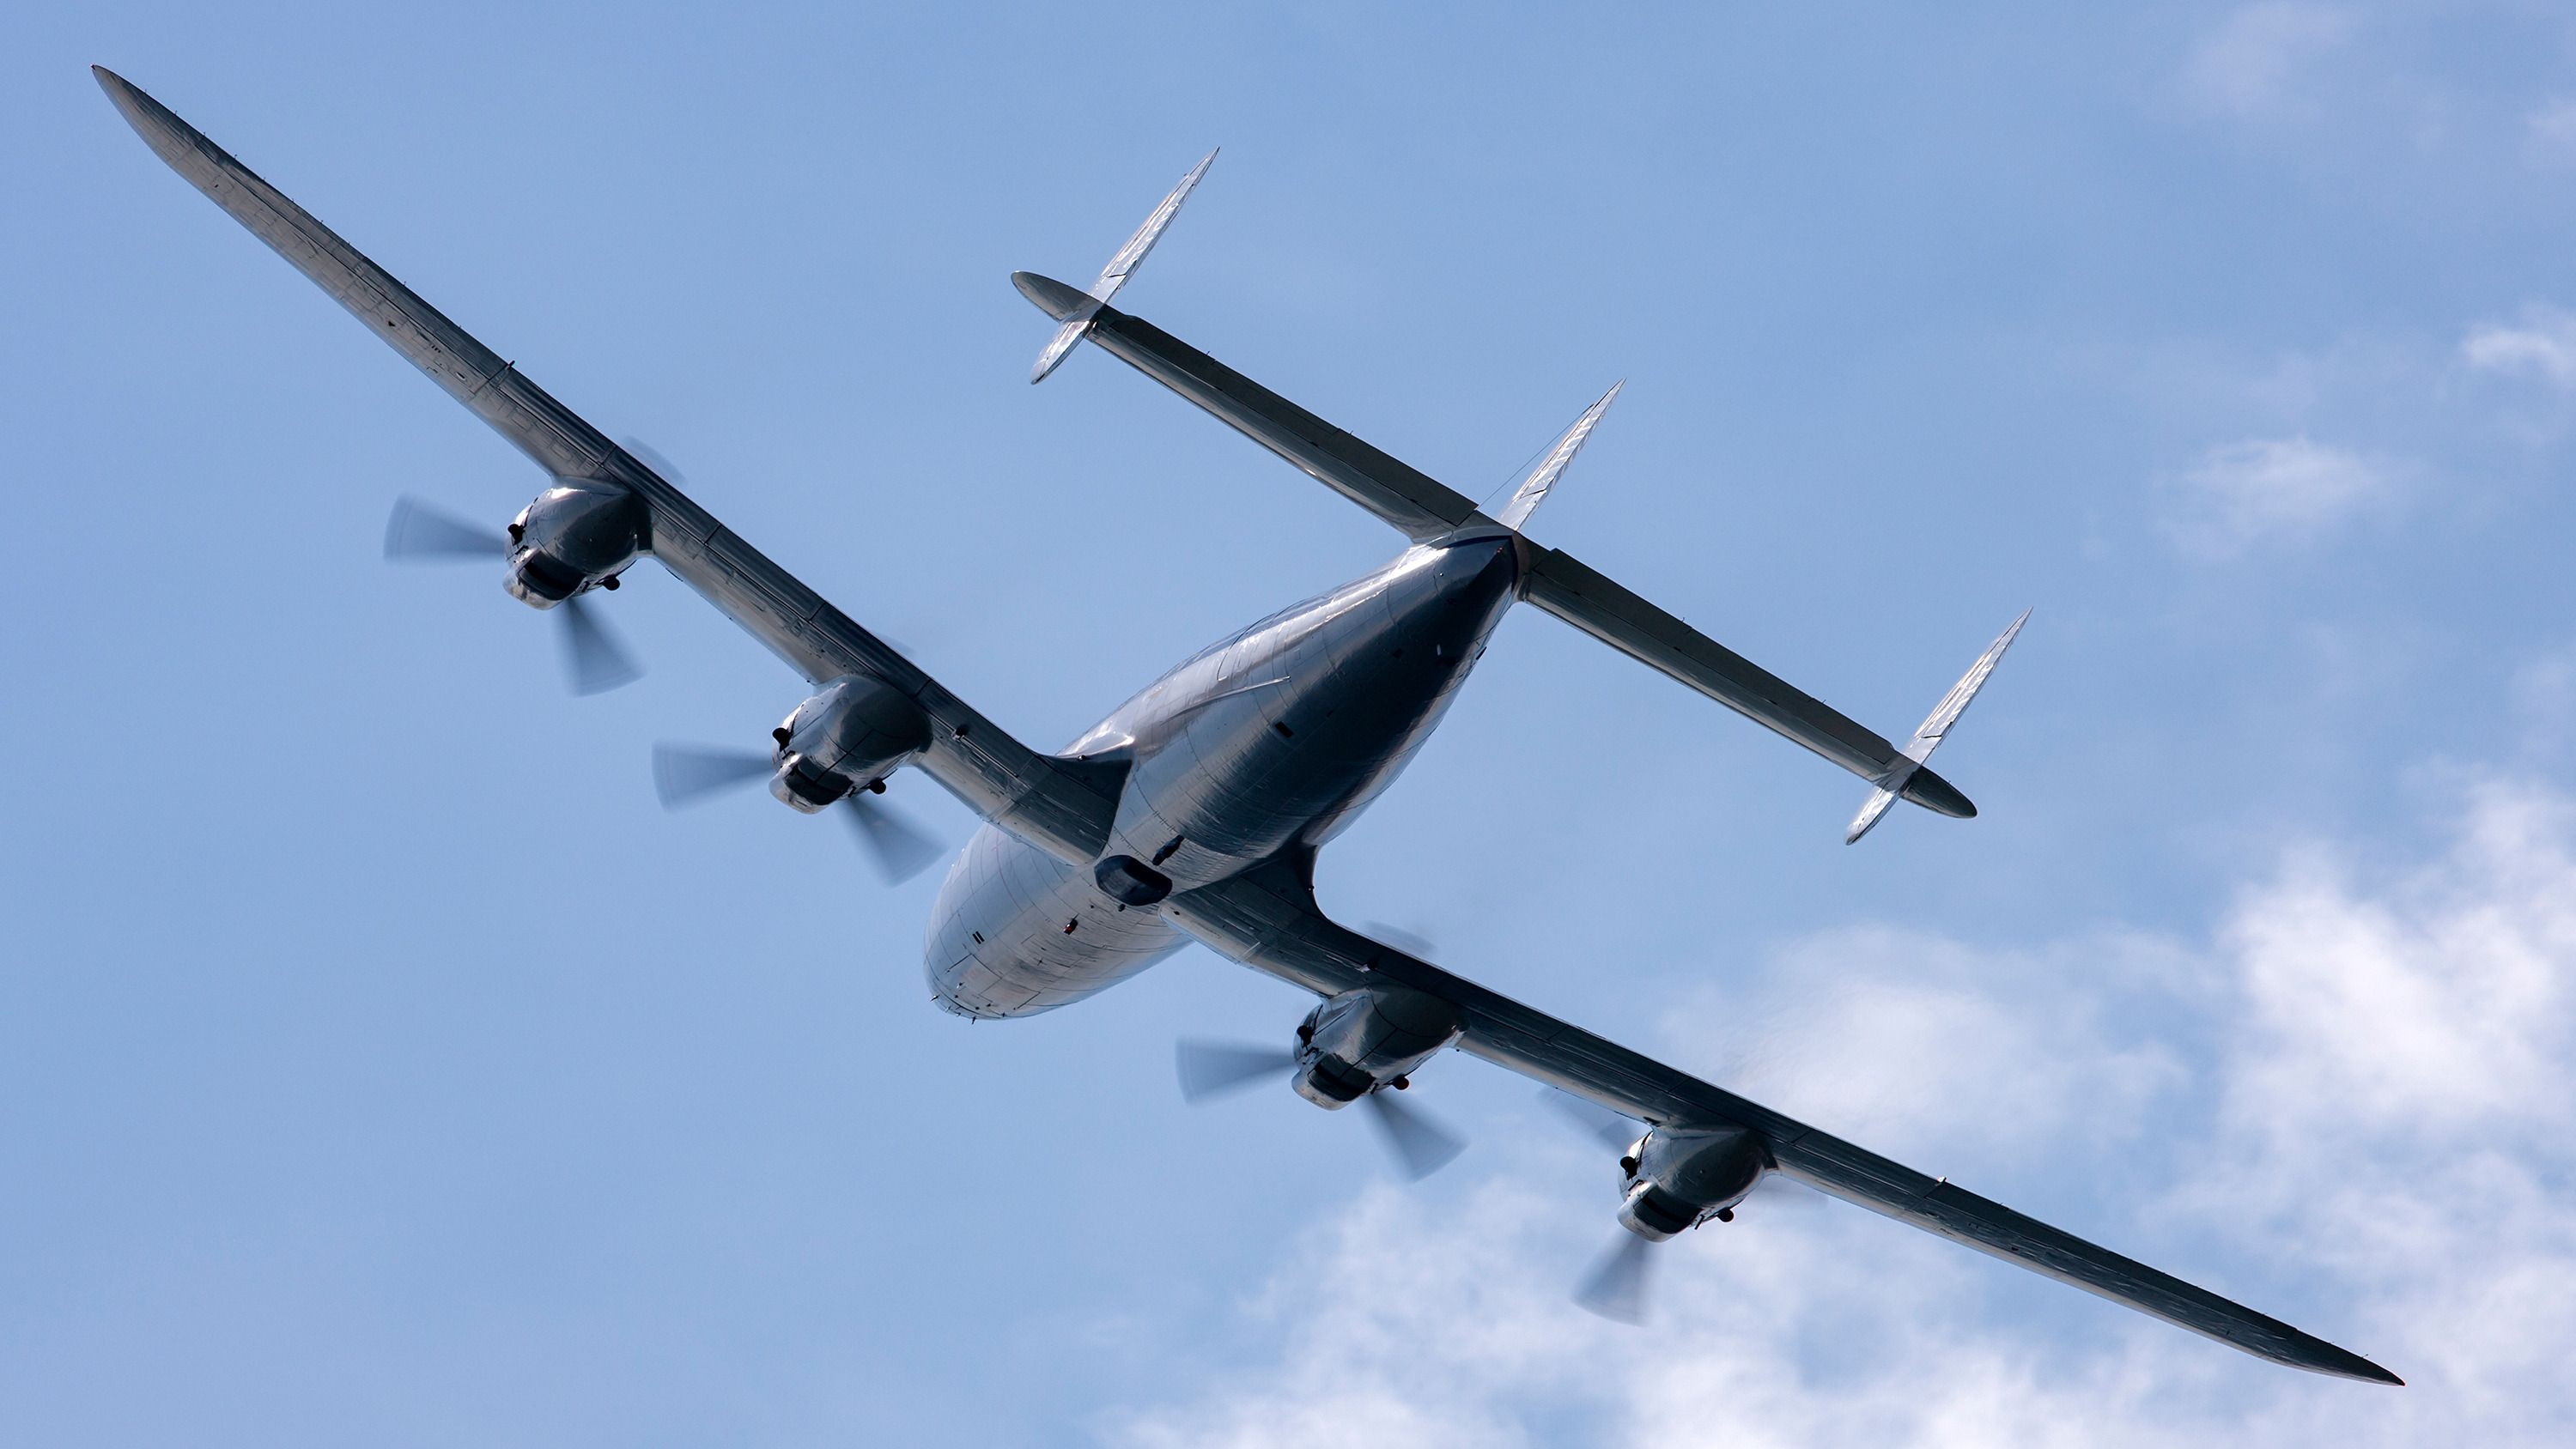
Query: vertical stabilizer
{"points": [[1935, 728], [1121, 267], [1532, 490]]}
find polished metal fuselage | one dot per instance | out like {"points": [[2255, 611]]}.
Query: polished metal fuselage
{"points": [[1272, 740]]}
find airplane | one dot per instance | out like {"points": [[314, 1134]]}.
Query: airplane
{"points": [[1193, 812]]}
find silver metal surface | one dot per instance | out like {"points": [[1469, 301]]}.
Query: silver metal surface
{"points": [[1928, 735], [850, 735], [1531, 491], [1194, 811], [1122, 265], [1064, 806], [1427, 509]]}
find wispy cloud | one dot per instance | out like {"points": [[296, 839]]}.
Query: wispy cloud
{"points": [[2256, 61], [2272, 490], [2553, 129], [2375, 1121], [2542, 346]]}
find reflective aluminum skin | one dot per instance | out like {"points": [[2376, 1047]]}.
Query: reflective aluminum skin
{"points": [[1277, 736], [1193, 812]]}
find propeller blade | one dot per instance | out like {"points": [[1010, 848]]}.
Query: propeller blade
{"points": [[644, 454], [417, 532], [900, 849], [1421, 1146], [1616, 1286], [1409, 942], [1210, 1069], [1593, 1120], [1778, 1192], [592, 655], [686, 774]]}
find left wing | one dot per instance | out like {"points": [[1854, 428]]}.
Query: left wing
{"points": [[1268, 919], [1422, 506], [1063, 805]]}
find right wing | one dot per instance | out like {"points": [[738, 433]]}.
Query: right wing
{"points": [[1425, 509], [1268, 919], [1063, 805]]}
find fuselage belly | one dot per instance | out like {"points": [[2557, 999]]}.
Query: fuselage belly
{"points": [[1271, 740]]}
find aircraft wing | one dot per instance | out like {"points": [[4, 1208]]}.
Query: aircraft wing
{"points": [[1063, 805], [1268, 919], [1554, 580]]}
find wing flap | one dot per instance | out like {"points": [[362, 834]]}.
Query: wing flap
{"points": [[1064, 806], [1268, 919]]}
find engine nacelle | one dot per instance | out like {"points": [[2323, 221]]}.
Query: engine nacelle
{"points": [[1361, 1040], [1680, 1177], [846, 738], [575, 536]]}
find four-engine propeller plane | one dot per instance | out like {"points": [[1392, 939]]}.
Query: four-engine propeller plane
{"points": [[1194, 811]]}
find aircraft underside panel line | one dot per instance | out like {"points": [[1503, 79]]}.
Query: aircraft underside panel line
{"points": [[1063, 806], [1267, 919]]}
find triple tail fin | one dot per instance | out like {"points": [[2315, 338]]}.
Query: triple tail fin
{"points": [[1532, 489], [1121, 266], [1934, 729]]}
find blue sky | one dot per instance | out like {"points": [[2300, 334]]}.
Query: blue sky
{"points": [[377, 1061]]}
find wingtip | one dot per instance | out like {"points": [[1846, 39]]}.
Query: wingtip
{"points": [[2314, 1354], [149, 118], [120, 90]]}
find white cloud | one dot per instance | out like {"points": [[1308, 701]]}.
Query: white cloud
{"points": [[2265, 490], [2372, 1140], [2553, 129], [2543, 347], [1885, 1019], [2254, 62]]}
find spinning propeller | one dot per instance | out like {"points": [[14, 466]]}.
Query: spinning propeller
{"points": [[1213, 1069], [687, 774], [593, 659], [1618, 1286]]}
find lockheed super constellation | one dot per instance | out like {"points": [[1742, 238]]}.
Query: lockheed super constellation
{"points": [[1194, 812]]}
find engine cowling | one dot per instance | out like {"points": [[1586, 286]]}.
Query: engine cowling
{"points": [[575, 536], [848, 737], [1680, 1177], [1360, 1040]]}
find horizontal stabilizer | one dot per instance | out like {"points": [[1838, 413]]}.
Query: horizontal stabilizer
{"points": [[1560, 584], [1422, 506], [1121, 266], [1927, 738]]}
